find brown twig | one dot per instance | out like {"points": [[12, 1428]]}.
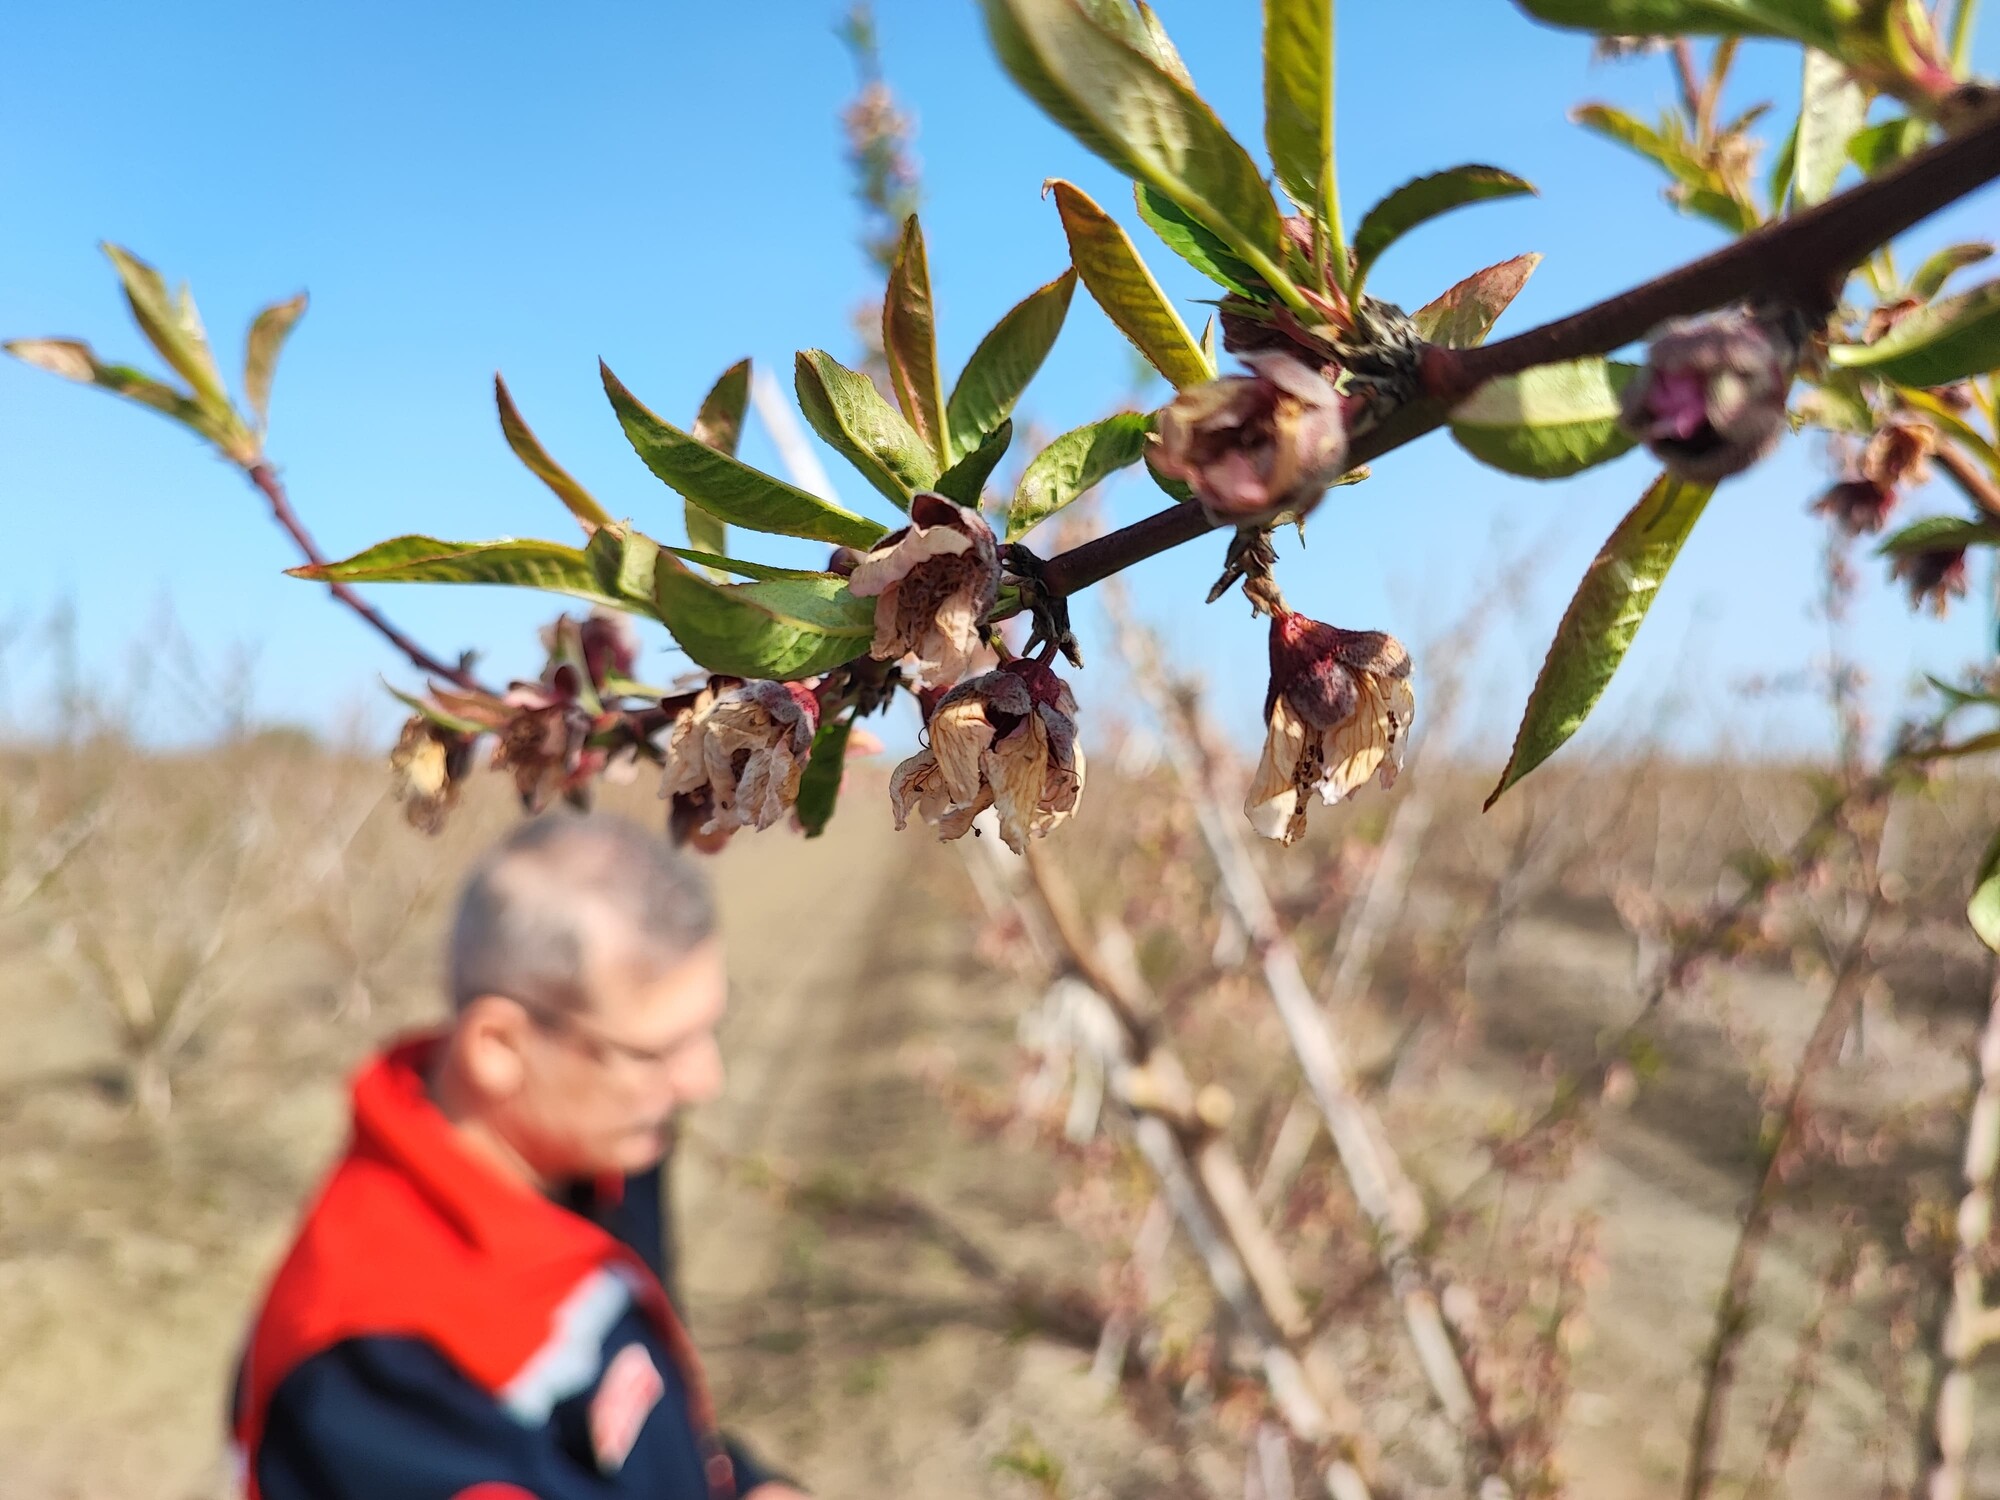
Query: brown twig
{"points": [[1977, 484], [1787, 1420]]}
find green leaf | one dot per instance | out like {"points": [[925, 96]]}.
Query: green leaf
{"points": [[268, 332], [845, 408], [624, 561], [528, 448], [1073, 464], [965, 481], [1733, 214], [1955, 426], [1941, 267], [507, 561], [1939, 534], [1140, 115], [1814, 22], [727, 489], [74, 360], [1003, 364], [1880, 147], [1598, 627], [742, 567], [1832, 106], [719, 424], [1548, 422], [1934, 345], [171, 326], [1110, 267], [435, 713], [1464, 315], [1983, 910], [909, 340], [1417, 202], [819, 787], [782, 629], [1703, 190], [1298, 97], [1194, 243]]}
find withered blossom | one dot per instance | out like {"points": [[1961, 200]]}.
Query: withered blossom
{"points": [[933, 583], [1005, 740], [735, 753], [1897, 455], [1934, 577], [1338, 711], [429, 765], [1710, 401], [1255, 447], [1857, 506]]}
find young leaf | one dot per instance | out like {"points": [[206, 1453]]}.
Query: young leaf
{"points": [[1832, 106], [1935, 345], [1125, 289], [742, 567], [1983, 910], [1880, 147], [783, 629], [909, 340], [1938, 534], [1298, 97], [819, 787], [1074, 463], [507, 561], [727, 489], [1416, 202], [1548, 422], [74, 360], [1139, 114], [624, 561], [719, 424], [966, 480], [1465, 314], [528, 448], [1194, 243], [1598, 627], [1941, 267], [1809, 21], [268, 332], [171, 326], [845, 408], [1003, 364]]}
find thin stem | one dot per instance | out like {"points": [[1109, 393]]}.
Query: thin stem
{"points": [[1690, 86], [266, 479], [1978, 486], [1961, 35], [1804, 258]]}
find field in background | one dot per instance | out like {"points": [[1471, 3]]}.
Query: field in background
{"points": [[229, 932]]}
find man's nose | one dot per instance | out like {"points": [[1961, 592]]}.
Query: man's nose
{"points": [[700, 1077]]}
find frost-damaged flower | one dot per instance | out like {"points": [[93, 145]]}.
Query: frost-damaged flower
{"points": [[1857, 506], [933, 583], [1338, 711], [1005, 740], [735, 753], [1710, 401], [429, 765], [1934, 577], [1254, 447], [1897, 456]]}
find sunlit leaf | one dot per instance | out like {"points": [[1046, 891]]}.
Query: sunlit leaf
{"points": [[719, 424], [1832, 106], [1954, 426], [1934, 345], [966, 480], [1983, 910], [73, 359], [1194, 243], [528, 448], [1602, 619], [1426, 198], [1939, 534], [171, 326], [1298, 96], [624, 561], [845, 409], [1547, 422], [819, 787], [1880, 147], [1465, 314], [909, 340], [511, 562], [1814, 22], [1110, 267], [1073, 464], [782, 629], [1941, 267], [728, 489], [268, 332], [1003, 364]]}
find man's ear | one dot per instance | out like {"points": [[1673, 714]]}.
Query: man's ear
{"points": [[492, 1040]]}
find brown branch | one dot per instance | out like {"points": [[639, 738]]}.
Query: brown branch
{"points": [[1977, 484], [266, 479], [1803, 259]]}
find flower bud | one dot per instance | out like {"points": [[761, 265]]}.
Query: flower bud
{"points": [[1710, 401], [1258, 446], [1005, 740], [1935, 577], [933, 583], [735, 755], [1337, 712]]}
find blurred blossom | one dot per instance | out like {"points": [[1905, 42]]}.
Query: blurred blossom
{"points": [[1258, 446], [429, 765], [1934, 577], [1710, 401], [735, 754]]}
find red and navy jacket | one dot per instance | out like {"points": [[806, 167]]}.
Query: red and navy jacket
{"points": [[439, 1332]]}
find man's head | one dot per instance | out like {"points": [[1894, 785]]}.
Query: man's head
{"points": [[587, 980]]}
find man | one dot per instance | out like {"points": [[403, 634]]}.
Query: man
{"points": [[475, 1306]]}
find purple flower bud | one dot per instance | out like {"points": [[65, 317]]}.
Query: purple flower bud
{"points": [[1710, 401], [1258, 446]]}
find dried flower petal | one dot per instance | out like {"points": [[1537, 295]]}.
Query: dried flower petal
{"points": [[735, 755], [933, 583], [1934, 578], [429, 765], [1254, 447]]}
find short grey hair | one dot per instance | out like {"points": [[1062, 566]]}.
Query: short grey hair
{"points": [[532, 906]]}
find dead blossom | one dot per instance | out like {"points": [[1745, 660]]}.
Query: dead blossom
{"points": [[1710, 401], [1934, 577], [1255, 447], [1005, 740], [933, 583], [428, 766], [1338, 711], [735, 753]]}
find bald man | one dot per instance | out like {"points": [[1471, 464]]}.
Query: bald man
{"points": [[475, 1306]]}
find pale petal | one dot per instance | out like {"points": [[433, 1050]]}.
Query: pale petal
{"points": [[960, 734], [1273, 801], [1017, 769], [890, 564]]}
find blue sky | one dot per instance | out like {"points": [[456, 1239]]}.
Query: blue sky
{"points": [[527, 187]]}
